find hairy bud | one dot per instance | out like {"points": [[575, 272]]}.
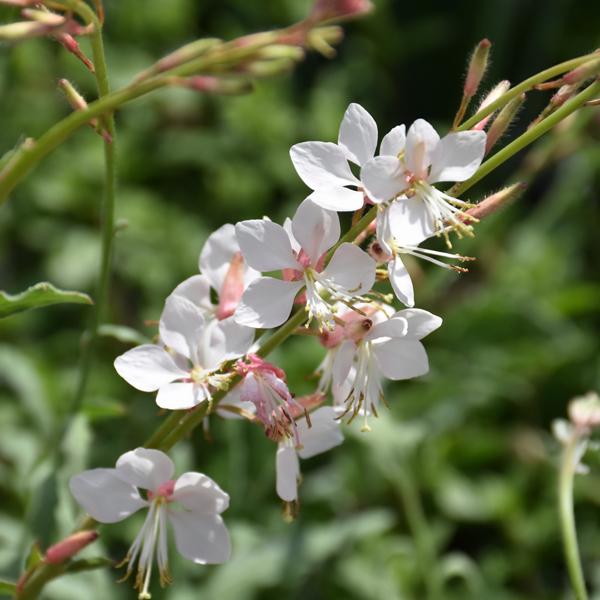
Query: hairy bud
{"points": [[502, 122], [497, 91], [492, 203], [477, 67], [585, 71], [70, 546]]}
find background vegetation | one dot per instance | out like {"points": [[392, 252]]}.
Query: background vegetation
{"points": [[464, 456]]}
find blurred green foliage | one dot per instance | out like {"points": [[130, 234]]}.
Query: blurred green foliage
{"points": [[464, 456]]}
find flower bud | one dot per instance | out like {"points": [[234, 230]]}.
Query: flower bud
{"points": [[582, 72], [322, 39], [327, 10], [477, 67], [70, 44], [277, 51], [497, 91], [70, 546], [584, 411], [564, 93], [502, 122], [43, 16], [269, 68], [213, 85], [23, 30], [496, 201]]}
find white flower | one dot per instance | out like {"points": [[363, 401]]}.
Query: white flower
{"points": [[322, 435], [391, 348], [224, 270], [324, 167], [267, 302], [192, 504], [398, 235], [423, 160], [186, 373]]}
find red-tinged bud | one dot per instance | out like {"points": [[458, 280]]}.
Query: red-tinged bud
{"points": [[207, 84], [496, 201], [477, 67], [43, 16], [497, 91], [503, 121], [583, 72], [70, 546], [233, 287], [70, 44], [564, 93], [335, 10]]}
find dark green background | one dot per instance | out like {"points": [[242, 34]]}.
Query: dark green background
{"points": [[520, 334]]}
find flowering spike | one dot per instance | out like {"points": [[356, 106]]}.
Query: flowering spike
{"points": [[70, 546], [504, 119]]}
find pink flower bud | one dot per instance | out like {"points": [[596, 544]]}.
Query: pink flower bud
{"points": [[496, 201], [585, 71], [70, 44], [477, 66], [326, 10], [70, 546]]}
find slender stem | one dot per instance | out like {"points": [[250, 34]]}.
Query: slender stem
{"points": [[525, 86], [529, 136], [567, 518]]}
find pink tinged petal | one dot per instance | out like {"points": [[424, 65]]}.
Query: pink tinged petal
{"points": [[233, 287], [201, 538], [148, 367], [145, 468], [409, 221], [351, 270], [343, 361], [383, 178], [358, 134], [200, 493], [287, 468], [401, 282], [196, 289], [457, 156], [421, 141], [401, 358], [322, 165], [420, 322], [340, 199], [395, 327], [217, 253], [324, 434], [393, 142], [265, 245], [106, 497], [181, 325], [267, 302], [180, 396], [316, 229]]}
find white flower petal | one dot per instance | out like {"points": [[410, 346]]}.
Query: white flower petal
{"points": [[401, 282], [180, 396], [267, 302], [457, 156], [400, 358], [324, 434], [216, 255], [287, 225], [145, 468], [358, 134], [200, 493], [148, 367], [265, 245], [322, 165], [228, 340], [393, 141], [340, 199], [351, 270], [383, 178], [181, 325], [343, 361], [410, 221], [421, 141], [106, 497], [315, 229], [420, 322], [196, 289], [287, 468], [394, 327], [203, 539]]}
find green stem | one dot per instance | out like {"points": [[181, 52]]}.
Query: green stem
{"points": [[529, 136], [567, 518], [525, 86]]}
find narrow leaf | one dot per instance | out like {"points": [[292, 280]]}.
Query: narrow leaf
{"points": [[38, 295]]}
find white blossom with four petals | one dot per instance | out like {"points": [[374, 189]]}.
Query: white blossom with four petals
{"points": [[192, 504]]}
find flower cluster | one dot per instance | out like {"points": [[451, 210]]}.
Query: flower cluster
{"points": [[254, 275]]}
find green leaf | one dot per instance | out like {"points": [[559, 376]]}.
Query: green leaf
{"points": [[99, 408], [38, 295], [34, 557], [88, 564], [123, 334], [6, 587]]}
